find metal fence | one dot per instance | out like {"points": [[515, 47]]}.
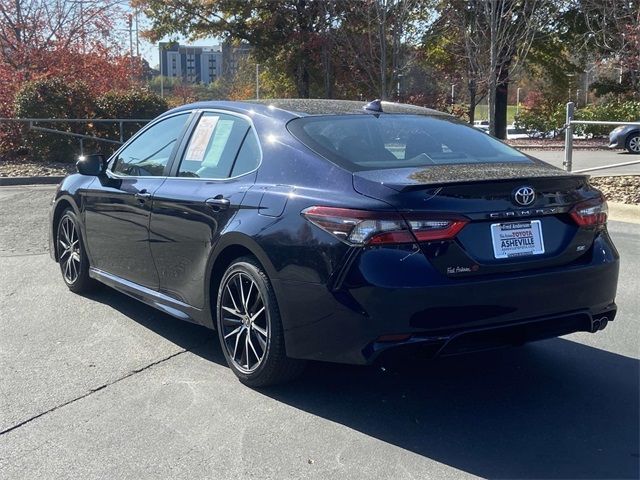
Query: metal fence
{"points": [[32, 124], [568, 141]]}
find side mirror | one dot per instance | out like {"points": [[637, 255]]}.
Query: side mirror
{"points": [[92, 165]]}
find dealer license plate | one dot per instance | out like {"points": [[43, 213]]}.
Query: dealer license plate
{"points": [[517, 239]]}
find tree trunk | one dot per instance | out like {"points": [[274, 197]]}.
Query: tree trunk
{"points": [[502, 89], [500, 114], [302, 77], [493, 67], [383, 52], [472, 100], [302, 68], [328, 74]]}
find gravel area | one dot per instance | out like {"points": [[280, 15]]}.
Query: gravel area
{"points": [[558, 144], [623, 188]]}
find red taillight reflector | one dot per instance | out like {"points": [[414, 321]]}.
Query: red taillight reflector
{"points": [[394, 338], [590, 213], [402, 236], [363, 227], [437, 230]]}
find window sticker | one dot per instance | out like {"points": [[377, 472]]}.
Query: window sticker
{"points": [[200, 139], [217, 144]]}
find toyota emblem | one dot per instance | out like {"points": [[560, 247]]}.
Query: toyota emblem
{"points": [[524, 196]]}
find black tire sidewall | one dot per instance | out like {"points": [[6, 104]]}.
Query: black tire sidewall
{"points": [[271, 310], [83, 275]]}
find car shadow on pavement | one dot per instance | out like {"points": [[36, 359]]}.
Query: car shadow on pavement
{"points": [[184, 334], [553, 409]]}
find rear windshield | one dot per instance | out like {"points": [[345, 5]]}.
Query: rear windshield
{"points": [[368, 142]]}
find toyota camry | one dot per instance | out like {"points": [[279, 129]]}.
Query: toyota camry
{"points": [[337, 231]]}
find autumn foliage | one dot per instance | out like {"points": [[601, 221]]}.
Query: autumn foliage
{"points": [[73, 41]]}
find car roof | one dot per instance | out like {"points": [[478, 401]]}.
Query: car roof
{"points": [[288, 108]]}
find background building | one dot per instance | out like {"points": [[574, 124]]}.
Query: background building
{"points": [[201, 64]]}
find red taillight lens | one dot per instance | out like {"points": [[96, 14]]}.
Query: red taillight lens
{"points": [[428, 230], [590, 213], [361, 227]]}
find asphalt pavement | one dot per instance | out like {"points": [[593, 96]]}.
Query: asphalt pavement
{"points": [[104, 387], [592, 158]]}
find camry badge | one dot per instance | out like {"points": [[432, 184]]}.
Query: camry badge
{"points": [[524, 196]]}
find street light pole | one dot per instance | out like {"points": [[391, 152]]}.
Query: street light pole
{"points": [[518, 100], [257, 81], [137, 38], [161, 74]]}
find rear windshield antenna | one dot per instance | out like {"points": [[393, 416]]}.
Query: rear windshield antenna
{"points": [[374, 107]]}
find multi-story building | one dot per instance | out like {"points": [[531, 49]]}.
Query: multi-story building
{"points": [[201, 64], [191, 64]]}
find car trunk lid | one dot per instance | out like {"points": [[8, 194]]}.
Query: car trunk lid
{"points": [[501, 235]]}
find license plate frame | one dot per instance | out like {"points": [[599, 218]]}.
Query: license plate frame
{"points": [[517, 239]]}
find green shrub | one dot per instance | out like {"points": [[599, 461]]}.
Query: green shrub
{"points": [[134, 103], [57, 98], [613, 111], [541, 114], [53, 98], [545, 117]]}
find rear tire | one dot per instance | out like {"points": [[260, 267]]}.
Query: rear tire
{"points": [[74, 264], [633, 143], [250, 329]]}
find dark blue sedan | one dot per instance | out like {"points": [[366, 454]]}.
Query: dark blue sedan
{"points": [[337, 231]]}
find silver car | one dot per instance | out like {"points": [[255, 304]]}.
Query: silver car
{"points": [[625, 136]]}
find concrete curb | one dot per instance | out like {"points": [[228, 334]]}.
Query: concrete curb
{"points": [[622, 212], [43, 180]]}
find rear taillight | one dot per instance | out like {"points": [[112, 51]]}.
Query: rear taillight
{"points": [[426, 230], [590, 213], [362, 227]]}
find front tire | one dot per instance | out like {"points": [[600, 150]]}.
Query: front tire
{"points": [[250, 329], [633, 143], [74, 264]]}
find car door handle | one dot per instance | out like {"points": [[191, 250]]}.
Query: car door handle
{"points": [[218, 202], [142, 196]]}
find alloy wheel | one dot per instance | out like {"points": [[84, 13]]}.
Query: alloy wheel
{"points": [[245, 326], [634, 144], [69, 248]]}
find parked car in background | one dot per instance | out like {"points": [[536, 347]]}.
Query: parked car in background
{"points": [[627, 137], [516, 133], [337, 231], [481, 125]]}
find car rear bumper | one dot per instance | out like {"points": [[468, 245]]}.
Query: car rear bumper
{"points": [[349, 324]]}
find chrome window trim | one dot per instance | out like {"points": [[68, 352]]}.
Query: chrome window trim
{"points": [[111, 161], [252, 129]]}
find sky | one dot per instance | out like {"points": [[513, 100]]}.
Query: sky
{"points": [[148, 50]]}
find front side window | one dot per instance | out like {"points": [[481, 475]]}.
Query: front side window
{"points": [[148, 154], [365, 142], [213, 146]]}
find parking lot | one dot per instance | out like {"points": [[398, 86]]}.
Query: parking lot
{"points": [[583, 159], [105, 387]]}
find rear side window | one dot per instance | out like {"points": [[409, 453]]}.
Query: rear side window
{"points": [[249, 156], [213, 146], [365, 142]]}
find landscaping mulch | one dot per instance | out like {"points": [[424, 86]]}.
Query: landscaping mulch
{"points": [[622, 189], [25, 167], [558, 144]]}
